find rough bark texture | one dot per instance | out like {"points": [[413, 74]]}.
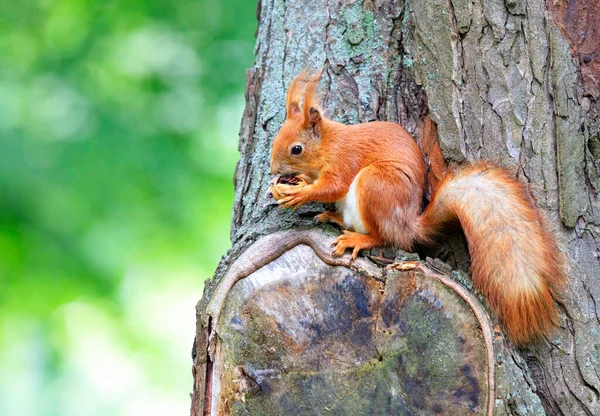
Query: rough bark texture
{"points": [[513, 81]]}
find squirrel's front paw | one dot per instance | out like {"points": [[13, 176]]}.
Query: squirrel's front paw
{"points": [[283, 186], [292, 196]]}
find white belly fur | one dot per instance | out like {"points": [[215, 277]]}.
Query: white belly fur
{"points": [[348, 208]]}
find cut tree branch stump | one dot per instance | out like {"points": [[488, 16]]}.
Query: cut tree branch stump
{"points": [[290, 329]]}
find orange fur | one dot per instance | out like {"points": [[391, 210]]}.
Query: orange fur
{"points": [[375, 173], [515, 262], [295, 94], [430, 146]]}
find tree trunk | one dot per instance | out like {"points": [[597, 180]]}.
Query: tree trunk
{"points": [[510, 81]]}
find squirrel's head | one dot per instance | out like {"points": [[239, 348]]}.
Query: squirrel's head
{"points": [[296, 148]]}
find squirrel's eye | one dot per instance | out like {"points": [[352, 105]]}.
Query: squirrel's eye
{"points": [[296, 150]]}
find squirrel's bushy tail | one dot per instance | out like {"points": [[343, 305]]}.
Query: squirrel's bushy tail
{"points": [[515, 262]]}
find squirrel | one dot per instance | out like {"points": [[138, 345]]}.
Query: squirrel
{"points": [[375, 174]]}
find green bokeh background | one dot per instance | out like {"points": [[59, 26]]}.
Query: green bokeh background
{"points": [[118, 141]]}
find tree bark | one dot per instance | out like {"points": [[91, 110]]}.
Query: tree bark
{"points": [[507, 81]]}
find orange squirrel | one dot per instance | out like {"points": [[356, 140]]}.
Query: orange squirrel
{"points": [[375, 174]]}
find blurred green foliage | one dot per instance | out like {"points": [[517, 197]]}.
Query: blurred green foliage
{"points": [[118, 140]]}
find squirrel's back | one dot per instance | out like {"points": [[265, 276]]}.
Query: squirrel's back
{"points": [[363, 144]]}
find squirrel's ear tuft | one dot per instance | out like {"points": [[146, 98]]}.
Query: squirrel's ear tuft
{"points": [[294, 94], [293, 109], [312, 113]]}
